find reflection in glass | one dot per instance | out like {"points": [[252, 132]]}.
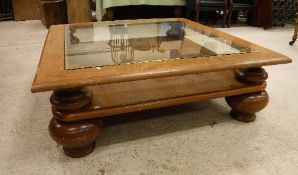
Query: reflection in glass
{"points": [[121, 50], [99, 45]]}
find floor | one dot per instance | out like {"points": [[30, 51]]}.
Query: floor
{"points": [[198, 138]]}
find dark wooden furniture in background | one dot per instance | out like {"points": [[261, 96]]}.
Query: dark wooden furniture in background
{"points": [[295, 32], [82, 97], [142, 12], [264, 14], [52, 12], [25, 9], [206, 6], [243, 5], [6, 12], [79, 11], [276, 13]]}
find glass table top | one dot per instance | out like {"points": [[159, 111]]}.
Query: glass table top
{"points": [[102, 44]]}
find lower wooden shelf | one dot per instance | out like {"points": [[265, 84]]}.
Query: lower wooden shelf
{"points": [[125, 97]]}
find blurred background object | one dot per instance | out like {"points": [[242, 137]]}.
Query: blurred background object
{"points": [[6, 12], [284, 12], [52, 12], [25, 9]]}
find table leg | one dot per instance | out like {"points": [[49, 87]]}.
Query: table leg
{"points": [[77, 138], [295, 33], [245, 106], [251, 75]]}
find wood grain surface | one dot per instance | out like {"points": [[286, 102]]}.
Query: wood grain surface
{"points": [[51, 74], [79, 11], [119, 98], [244, 107]]}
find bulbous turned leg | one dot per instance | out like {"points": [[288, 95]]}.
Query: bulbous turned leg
{"points": [[245, 106], [70, 101], [77, 138], [251, 75]]}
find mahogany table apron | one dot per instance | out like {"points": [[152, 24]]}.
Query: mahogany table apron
{"points": [[94, 76]]}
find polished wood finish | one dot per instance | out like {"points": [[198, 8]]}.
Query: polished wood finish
{"points": [[77, 111], [79, 11], [295, 32], [51, 74], [70, 100], [119, 98], [77, 138], [252, 75], [245, 106]]}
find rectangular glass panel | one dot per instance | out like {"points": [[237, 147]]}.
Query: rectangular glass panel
{"points": [[99, 45]]}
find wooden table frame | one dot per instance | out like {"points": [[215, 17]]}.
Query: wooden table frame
{"points": [[81, 98]]}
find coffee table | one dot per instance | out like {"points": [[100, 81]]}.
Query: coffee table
{"points": [[97, 70]]}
